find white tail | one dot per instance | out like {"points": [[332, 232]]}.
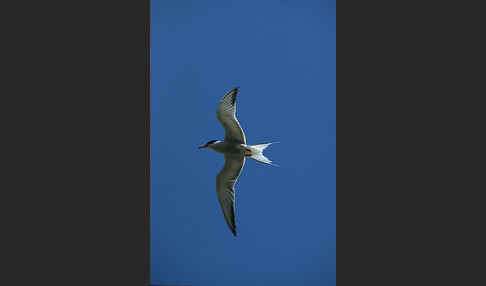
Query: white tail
{"points": [[257, 153]]}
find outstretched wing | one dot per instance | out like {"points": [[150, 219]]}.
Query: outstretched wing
{"points": [[225, 187], [226, 114]]}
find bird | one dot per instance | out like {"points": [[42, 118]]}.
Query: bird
{"points": [[235, 151]]}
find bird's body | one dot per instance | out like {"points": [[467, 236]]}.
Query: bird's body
{"points": [[235, 150], [228, 147]]}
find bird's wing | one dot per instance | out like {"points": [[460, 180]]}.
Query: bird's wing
{"points": [[225, 187], [226, 114]]}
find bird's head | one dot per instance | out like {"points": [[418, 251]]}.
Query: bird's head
{"points": [[208, 144]]}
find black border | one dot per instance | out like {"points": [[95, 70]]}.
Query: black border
{"points": [[77, 85], [408, 181], [147, 141]]}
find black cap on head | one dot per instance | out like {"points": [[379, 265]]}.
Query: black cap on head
{"points": [[211, 142]]}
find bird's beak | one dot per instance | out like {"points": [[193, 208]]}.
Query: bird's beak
{"points": [[203, 146]]}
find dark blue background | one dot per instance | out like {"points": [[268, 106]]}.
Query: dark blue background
{"points": [[282, 55]]}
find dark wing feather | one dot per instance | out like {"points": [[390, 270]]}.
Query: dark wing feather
{"points": [[225, 187], [226, 114]]}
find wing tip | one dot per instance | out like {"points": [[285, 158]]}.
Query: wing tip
{"points": [[234, 89], [231, 95], [232, 228], [235, 93]]}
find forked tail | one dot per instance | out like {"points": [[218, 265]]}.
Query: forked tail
{"points": [[257, 153]]}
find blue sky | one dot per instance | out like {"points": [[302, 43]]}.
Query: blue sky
{"points": [[282, 55]]}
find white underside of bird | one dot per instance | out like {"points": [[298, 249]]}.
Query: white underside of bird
{"points": [[235, 151]]}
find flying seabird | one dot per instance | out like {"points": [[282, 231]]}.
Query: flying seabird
{"points": [[235, 150]]}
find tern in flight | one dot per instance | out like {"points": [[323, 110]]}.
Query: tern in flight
{"points": [[235, 150]]}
